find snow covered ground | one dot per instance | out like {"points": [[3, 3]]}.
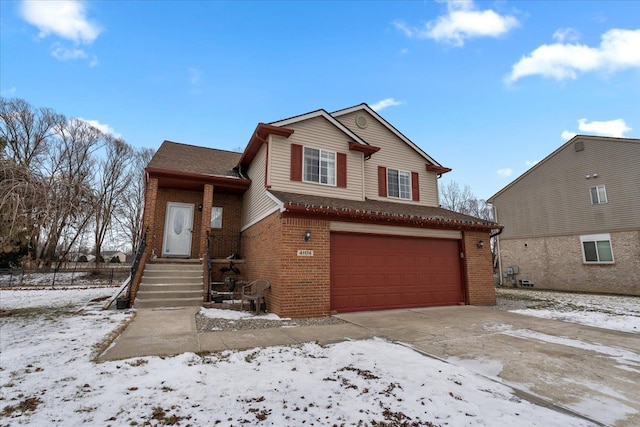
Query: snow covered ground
{"points": [[621, 313], [48, 377]]}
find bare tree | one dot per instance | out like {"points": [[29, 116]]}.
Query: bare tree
{"points": [[131, 206], [113, 178], [70, 171], [464, 201], [26, 130]]}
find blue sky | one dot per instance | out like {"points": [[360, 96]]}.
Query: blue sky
{"points": [[486, 88]]}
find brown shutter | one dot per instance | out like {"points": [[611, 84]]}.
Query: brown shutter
{"points": [[296, 162], [415, 187], [382, 181], [342, 170]]}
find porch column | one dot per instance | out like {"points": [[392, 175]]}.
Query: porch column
{"points": [[149, 214], [205, 225]]}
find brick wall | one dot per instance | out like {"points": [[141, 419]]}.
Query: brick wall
{"points": [[225, 240], [478, 268], [300, 284], [261, 247], [305, 280], [556, 263]]}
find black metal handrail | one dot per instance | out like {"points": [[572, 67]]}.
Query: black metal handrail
{"points": [[207, 256], [136, 260]]}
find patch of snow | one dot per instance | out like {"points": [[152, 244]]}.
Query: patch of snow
{"points": [[48, 358], [617, 322], [615, 312], [216, 313], [623, 356]]}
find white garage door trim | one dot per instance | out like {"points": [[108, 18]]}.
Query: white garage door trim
{"points": [[392, 230]]}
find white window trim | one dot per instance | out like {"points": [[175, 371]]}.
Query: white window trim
{"points": [[410, 184], [335, 166], [213, 209], [599, 202], [596, 238]]}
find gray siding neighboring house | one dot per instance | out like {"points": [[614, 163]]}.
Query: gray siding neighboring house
{"points": [[572, 222]]}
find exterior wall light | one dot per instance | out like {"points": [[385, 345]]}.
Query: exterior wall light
{"points": [[480, 244], [200, 207], [307, 235]]}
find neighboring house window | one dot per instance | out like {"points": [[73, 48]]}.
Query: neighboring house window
{"points": [[596, 248], [319, 166], [216, 217], [399, 184], [598, 195]]}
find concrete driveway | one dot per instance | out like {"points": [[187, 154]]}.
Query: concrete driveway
{"points": [[588, 371]]}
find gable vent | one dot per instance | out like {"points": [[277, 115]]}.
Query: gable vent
{"points": [[361, 122], [579, 146]]}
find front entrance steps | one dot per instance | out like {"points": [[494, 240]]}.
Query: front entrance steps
{"points": [[170, 283]]}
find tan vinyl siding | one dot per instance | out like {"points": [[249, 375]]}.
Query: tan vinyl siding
{"points": [[256, 203], [317, 132], [352, 227], [554, 199], [394, 153]]}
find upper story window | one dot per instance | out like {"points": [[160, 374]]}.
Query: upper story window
{"points": [[596, 249], [598, 194], [319, 166], [398, 184]]}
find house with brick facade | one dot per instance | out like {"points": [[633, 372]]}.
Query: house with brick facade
{"points": [[572, 221], [339, 211]]}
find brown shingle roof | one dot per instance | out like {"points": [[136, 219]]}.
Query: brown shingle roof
{"points": [[174, 156], [388, 211]]}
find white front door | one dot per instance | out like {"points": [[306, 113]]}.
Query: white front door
{"points": [[177, 229]]}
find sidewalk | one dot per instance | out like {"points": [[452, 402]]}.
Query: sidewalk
{"points": [[169, 331]]}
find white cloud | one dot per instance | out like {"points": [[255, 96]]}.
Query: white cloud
{"points": [[566, 34], [62, 53], [462, 21], [65, 18], [505, 172], [104, 128], [389, 102], [615, 128], [619, 49], [531, 162], [566, 135]]}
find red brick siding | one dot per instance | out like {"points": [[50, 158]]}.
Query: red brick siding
{"points": [[299, 285], [261, 243], [231, 205], [478, 269], [305, 281]]}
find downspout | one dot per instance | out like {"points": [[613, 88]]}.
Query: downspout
{"points": [[497, 236]]}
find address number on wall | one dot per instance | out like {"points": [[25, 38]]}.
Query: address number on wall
{"points": [[305, 252]]}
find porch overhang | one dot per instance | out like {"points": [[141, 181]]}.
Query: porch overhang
{"points": [[196, 182]]}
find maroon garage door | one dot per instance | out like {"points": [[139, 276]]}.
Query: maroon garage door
{"points": [[371, 272]]}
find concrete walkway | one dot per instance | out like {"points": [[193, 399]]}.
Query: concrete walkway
{"points": [[590, 372]]}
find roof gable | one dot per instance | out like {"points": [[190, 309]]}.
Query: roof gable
{"points": [[328, 117], [575, 139], [389, 126]]}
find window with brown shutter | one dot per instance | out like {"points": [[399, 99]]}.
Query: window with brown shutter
{"points": [[296, 162], [415, 187]]}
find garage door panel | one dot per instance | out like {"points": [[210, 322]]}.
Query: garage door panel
{"points": [[371, 272]]}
